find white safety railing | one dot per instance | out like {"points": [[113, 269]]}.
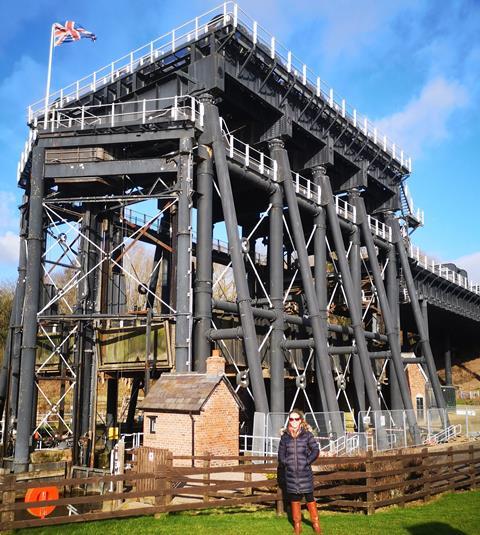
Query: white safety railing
{"points": [[259, 445], [32, 136], [380, 229], [345, 209], [445, 435], [226, 14], [132, 440], [249, 157], [418, 214], [335, 447], [177, 108], [253, 159], [348, 444], [441, 270], [151, 52]]}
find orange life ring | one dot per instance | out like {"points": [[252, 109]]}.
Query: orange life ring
{"points": [[41, 494]]}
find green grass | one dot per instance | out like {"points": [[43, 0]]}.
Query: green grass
{"points": [[452, 514]]}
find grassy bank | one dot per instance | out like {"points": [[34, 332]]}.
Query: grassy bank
{"points": [[452, 514]]}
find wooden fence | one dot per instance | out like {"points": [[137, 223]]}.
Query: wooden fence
{"points": [[348, 483]]}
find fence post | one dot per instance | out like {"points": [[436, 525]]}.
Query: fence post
{"points": [[168, 481], [120, 469], [404, 477], [426, 475], [370, 483], [280, 510], [206, 475], [8, 497], [471, 462], [247, 476], [450, 462]]}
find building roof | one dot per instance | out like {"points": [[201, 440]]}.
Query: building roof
{"points": [[184, 392]]}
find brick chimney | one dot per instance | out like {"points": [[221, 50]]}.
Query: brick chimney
{"points": [[215, 363]]}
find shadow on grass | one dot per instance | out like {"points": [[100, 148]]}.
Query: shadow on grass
{"points": [[434, 528]]}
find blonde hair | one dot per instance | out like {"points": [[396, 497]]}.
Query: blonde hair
{"points": [[303, 423]]}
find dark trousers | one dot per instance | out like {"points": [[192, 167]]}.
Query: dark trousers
{"points": [[298, 497]]}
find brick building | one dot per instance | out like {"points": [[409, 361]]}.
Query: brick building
{"points": [[419, 387], [192, 413]]}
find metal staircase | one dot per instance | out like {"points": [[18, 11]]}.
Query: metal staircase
{"points": [[413, 218]]}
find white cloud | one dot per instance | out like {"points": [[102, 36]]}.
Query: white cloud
{"points": [[9, 245], [471, 263], [346, 36], [424, 120]]}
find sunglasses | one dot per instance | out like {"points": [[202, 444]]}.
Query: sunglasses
{"points": [[294, 419]]}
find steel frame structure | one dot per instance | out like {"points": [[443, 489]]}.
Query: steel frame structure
{"points": [[214, 123]]}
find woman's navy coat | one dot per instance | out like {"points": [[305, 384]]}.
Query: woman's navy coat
{"points": [[295, 456]]}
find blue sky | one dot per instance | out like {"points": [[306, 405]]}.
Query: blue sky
{"points": [[411, 66]]}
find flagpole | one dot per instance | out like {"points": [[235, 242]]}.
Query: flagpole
{"points": [[49, 77]]}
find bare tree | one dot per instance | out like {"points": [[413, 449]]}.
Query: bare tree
{"points": [[7, 290]]}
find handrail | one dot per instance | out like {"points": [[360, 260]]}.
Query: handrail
{"points": [[186, 107], [442, 271], [228, 13], [445, 435], [177, 108]]}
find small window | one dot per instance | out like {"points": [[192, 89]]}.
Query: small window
{"points": [[152, 421], [420, 404]]}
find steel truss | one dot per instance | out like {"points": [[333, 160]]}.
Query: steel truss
{"points": [[315, 317]]}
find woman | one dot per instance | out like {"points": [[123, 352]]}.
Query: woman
{"points": [[296, 453]]}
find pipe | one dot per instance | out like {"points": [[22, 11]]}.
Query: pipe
{"points": [[320, 271], [390, 324], [355, 314], [323, 369], [183, 261], [243, 297], [227, 306], [235, 333], [32, 290], [275, 264], [356, 270], [335, 350], [203, 278], [240, 173], [391, 275], [448, 359], [417, 313]]}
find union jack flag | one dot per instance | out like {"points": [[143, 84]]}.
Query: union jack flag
{"points": [[71, 32]]}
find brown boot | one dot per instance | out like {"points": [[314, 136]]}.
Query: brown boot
{"points": [[312, 509], [297, 517]]}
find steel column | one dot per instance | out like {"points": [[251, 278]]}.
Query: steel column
{"points": [[204, 272], [323, 368], [390, 324], [347, 282], [17, 340], [87, 305], [396, 401], [9, 372], [30, 309], [183, 266], [448, 359], [320, 272], [356, 271], [417, 313], [294, 320], [275, 264], [243, 298]]}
